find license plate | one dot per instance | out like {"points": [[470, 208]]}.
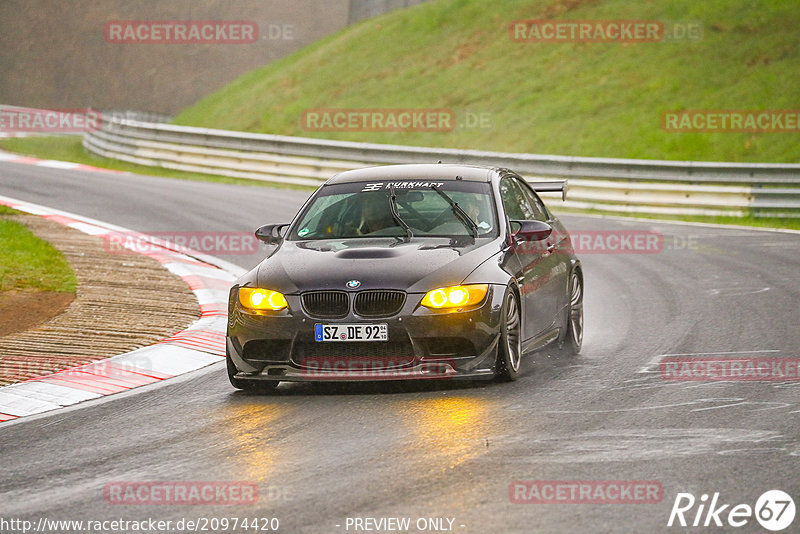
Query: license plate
{"points": [[351, 332]]}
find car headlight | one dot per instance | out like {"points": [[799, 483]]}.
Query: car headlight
{"points": [[455, 296], [254, 298]]}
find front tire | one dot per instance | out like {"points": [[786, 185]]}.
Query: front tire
{"points": [[509, 351], [253, 386]]}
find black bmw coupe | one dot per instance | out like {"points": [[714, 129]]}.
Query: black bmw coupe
{"points": [[407, 272]]}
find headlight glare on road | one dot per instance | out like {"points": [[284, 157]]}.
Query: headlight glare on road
{"points": [[254, 298], [455, 296]]}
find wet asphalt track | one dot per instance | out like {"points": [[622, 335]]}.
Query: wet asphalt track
{"points": [[323, 453]]}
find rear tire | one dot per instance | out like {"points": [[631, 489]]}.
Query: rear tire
{"points": [[253, 386], [509, 350], [573, 330]]}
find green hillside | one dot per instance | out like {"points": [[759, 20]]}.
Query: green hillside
{"points": [[574, 98]]}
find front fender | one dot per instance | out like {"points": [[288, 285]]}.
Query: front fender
{"points": [[498, 269]]}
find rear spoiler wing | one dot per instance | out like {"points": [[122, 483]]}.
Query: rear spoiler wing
{"points": [[553, 186]]}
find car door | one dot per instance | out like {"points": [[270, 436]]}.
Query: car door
{"points": [[555, 246], [534, 261]]}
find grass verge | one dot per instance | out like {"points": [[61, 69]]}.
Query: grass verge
{"points": [[30, 263], [566, 98]]}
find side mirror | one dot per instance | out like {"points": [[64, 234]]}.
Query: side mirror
{"points": [[530, 230], [271, 233]]}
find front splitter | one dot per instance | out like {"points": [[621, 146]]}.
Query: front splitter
{"points": [[421, 371]]}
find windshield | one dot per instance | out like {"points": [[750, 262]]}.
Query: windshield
{"points": [[348, 211]]}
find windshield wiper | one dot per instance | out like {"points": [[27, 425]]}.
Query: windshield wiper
{"points": [[460, 213], [396, 215]]}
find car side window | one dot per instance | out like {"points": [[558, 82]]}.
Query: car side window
{"points": [[517, 206], [537, 206]]}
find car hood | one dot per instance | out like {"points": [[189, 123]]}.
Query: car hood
{"points": [[416, 266]]}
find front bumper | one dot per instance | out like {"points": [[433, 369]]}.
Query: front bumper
{"points": [[423, 344]]}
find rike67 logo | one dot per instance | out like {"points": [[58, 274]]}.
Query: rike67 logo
{"points": [[774, 510]]}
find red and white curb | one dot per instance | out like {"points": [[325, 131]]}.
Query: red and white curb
{"points": [[52, 164], [199, 345]]}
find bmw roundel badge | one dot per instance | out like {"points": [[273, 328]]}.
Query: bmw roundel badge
{"points": [[353, 284]]}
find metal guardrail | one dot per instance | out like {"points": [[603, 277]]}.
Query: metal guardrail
{"points": [[141, 116], [619, 185]]}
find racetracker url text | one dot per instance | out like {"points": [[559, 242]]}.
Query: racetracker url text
{"points": [[113, 526]]}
